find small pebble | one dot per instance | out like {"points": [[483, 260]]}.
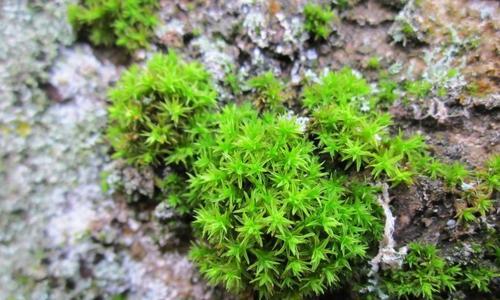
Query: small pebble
{"points": [[451, 223], [311, 54]]}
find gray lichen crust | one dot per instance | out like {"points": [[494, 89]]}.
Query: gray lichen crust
{"points": [[61, 237]]}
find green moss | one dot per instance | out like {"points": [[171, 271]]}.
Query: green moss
{"points": [[387, 91], [358, 138], [425, 274], [491, 173], [232, 81], [272, 219], [418, 89], [373, 63], [408, 31], [479, 195], [453, 72], [341, 87], [318, 20], [473, 43], [473, 89], [282, 209], [269, 91], [454, 174], [104, 181], [158, 113], [127, 24], [479, 278]]}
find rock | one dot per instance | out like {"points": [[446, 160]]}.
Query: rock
{"points": [[164, 213], [451, 223]]}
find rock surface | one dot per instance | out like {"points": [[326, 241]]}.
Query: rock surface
{"points": [[65, 234]]}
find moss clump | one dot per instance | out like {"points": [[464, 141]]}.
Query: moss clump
{"points": [[269, 91], [491, 173], [318, 20], [408, 30], [388, 92], [480, 194], [157, 115], [418, 89], [279, 219], [349, 131], [232, 81], [127, 24], [425, 274], [343, 86], [373, 63], [282, 208], [476, 187], [272, 219], [158, 112]]}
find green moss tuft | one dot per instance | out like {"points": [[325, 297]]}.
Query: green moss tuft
{"points": [[318, 20], [340, 87], [269, 91], [425, 274], [359, 137], [272, 220], [373, 63], [418, 89], [491, 173], [159, 111], [158, 114], [284, 208], [127, 24]]}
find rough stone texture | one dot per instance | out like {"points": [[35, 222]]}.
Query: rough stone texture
{"points": [[62, 236]]}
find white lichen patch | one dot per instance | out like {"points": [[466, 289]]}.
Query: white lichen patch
{"points": [[409, 25], [301, 122], [173, 26], [213, 56], [72, 74], [255, 24], [56, 222], [133, 181], [73, 219]]}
